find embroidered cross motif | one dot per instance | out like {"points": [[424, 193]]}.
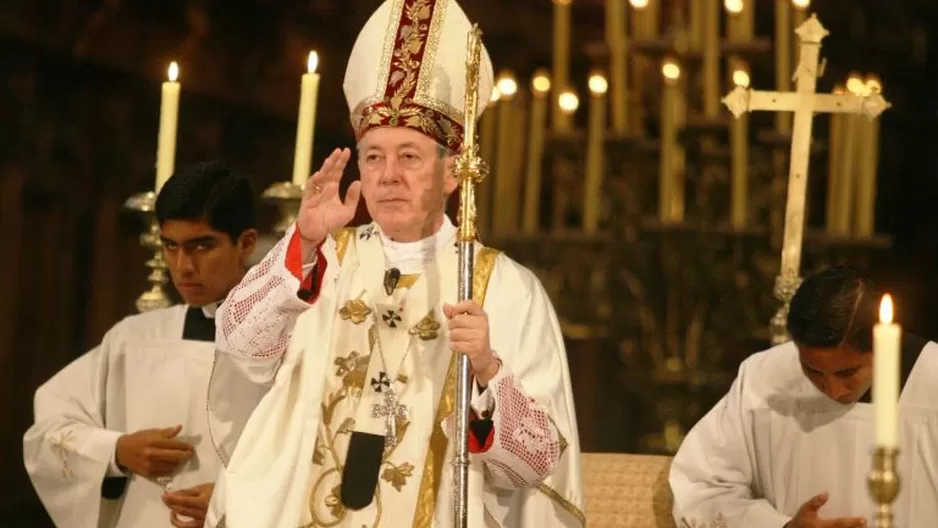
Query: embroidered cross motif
{"points": [[383, 382], [390, 411], [367, 233], [391, 318]]}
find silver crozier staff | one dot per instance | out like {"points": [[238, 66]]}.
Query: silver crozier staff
{"points": [[470, 170]]}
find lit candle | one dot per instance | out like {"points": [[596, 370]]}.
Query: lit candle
{"points": [[501, 212], [487, 153], [846, 195], [562, 168], [833, 165], [306, 118], [540, 86], [618, 64], [595, 137], [640, 63], [169, 120], [869, 160], [561, 67], [887, 337], [739, 156], [667, 185], [783, 59]]}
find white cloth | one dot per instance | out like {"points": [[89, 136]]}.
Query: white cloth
{"points": [[267, 484], [141, 376], [775, 441]]}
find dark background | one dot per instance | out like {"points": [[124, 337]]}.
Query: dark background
{"points": [[79, 114]]}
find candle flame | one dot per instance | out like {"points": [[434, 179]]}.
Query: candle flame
{"points": [[507, 85], [312, 62], [801, 4], [671, 70], [568, 102], [598, 84], [855, 84], [173, 71], [873, 84], [733, 6], [639, 4], [741, 78], [885, 310], [541, 82]]}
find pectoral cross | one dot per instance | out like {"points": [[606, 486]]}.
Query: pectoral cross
{"points": [[804, 102], [390, 411]]}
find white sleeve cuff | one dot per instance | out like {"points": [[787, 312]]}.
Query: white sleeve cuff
{"points": [[102, 445], [308, 267], [482, 402]]}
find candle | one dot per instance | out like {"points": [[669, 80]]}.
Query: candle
{"points": [[835, 144], [887, 337], [711, 58], [669, 108], [869, 160], [540, 87], [846, 196], [618, 63], [595, 137], [739, 156], [561, 68], [169, 119], [306, 117], [640, 63], [800, 15], [783, 59], [487, 153], [501, 219], [563, 168]]}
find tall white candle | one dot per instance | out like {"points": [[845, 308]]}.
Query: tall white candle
{"points": [[595, 139], [169, 119], [887, 337], [306, 118]]}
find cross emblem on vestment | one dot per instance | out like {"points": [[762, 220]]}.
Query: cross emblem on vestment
{"points": [[390, 411], [804, 102], [382, 383]]}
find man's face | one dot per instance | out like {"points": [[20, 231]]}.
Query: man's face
{"points": [[203, 263], [844, 374], [404, 181]]}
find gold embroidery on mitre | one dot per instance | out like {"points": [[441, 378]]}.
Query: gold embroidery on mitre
{"points": [[427, 328], [355, 311]]}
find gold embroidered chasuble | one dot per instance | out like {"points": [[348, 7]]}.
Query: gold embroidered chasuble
{"points": [[408, 326]]}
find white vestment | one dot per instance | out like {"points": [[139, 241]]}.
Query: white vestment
{"points": [[285, 470], [775, 441], [143, 375]]}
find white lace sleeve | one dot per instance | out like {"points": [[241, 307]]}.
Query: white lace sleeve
{"points": [[526, 445], [257, 318]]}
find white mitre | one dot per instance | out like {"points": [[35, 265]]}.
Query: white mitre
{"points": [[408, 68]]}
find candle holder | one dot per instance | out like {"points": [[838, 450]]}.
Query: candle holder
{"points": [[144, 204], [286, 196], [785, 288], [883, 483]]}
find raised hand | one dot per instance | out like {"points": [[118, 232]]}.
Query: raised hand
{"points": [[322, 211], [152, 453], [807, 516]]}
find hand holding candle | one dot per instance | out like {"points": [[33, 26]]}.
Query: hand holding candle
{"points": [[886, 341], [306, 118], [169, 117]]}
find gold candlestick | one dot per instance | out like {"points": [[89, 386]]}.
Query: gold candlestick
{"points": [[155, 298], [883, 482], [286, 196]]}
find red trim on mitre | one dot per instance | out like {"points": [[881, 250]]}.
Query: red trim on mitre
{"points": [[398, 108]]}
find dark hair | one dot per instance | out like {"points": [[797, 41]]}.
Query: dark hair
{"points": [[208, 192], [833, 307]]}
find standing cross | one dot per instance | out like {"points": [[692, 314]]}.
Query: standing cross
{"points": [[390, 411], [804, 102]]}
